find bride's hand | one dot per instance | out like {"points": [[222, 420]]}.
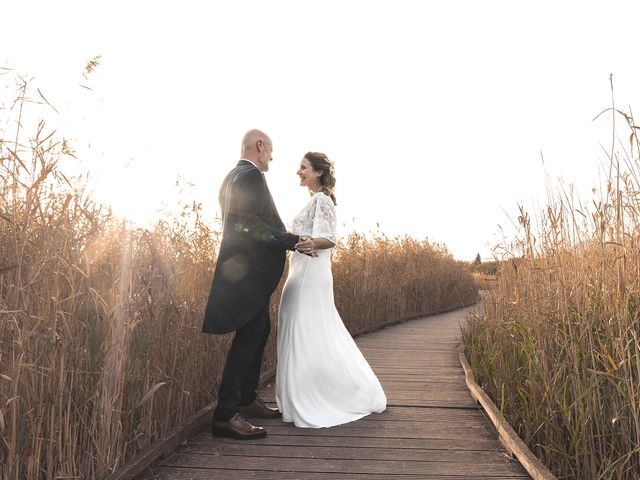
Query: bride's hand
{"points": [[305, 245]]}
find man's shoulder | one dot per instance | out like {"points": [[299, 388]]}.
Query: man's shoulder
{"points": [[244, 175], [244, 169]]}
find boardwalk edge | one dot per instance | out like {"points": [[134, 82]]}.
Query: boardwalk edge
{"points": [[170, 440], [507, 435]]}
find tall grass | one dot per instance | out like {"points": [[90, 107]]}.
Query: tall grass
{"points": [[100, 344], [557, 346], [379, 279]]}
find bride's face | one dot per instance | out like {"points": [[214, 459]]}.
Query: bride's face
{"points": [[309, 177]]}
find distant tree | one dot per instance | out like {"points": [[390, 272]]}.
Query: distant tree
{"points": [[488, 268], [476, 262]]}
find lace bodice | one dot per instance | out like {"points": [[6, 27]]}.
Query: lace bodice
{"points": [[317, 218]]}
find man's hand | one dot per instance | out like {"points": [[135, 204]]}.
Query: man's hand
{"points": [[305, 245]]}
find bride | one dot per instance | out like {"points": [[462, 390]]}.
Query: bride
{"points": [[322, 379]]}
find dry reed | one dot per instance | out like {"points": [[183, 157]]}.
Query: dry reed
{"points": [[557, 344], [100, 344]]}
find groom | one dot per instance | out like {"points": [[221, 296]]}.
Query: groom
{"points": [[249, 266]]}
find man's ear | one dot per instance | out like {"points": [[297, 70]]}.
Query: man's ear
{"points": [[259, 145]]}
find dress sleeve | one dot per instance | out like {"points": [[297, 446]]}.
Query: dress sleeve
{"points": [[324, 220]]}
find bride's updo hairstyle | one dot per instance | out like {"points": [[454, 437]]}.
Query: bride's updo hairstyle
{"points": [[321, 163]]}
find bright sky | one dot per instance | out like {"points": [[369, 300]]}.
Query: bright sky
{"points": [[435, 112]]}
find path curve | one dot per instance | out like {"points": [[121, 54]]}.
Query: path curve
{"points": [[431, 429]]}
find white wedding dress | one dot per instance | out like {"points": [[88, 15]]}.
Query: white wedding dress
{"points": [[322, 379]]}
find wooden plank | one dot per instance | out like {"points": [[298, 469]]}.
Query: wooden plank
{"points": [[392, 383], [444, 391], [434, 398], [418, 385], [322, 465], [441, 431], [457, 417], [468, 444], [407, 354], [421, 358], [408, 415], [445, 396], [408, 425], [417, 375], [442, 398], [438, 389], [171, 473], [427, 404], [426, 369], [434, 374], [443, 402], [421, 375], [347, 453]]}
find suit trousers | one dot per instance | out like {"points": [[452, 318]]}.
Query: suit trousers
{"points": [[239, 384]]}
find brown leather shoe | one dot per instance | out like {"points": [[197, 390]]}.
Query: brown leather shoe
{"points": [[237, 427], [257, 409]]}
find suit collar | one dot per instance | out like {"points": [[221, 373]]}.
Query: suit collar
{"points": [[244, 161]]}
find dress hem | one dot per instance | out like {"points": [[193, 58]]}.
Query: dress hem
{"points": [[358, 417]]}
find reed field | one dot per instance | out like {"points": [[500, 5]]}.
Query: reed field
{"points": [[101, 351], [557, 343]]}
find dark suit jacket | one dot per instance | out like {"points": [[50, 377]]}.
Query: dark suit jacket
{"points": [[252, 252]]}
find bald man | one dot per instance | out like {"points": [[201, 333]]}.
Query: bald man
{"points": [[249, 266]]}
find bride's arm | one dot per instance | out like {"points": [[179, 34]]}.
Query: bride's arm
{"points": [[324, 224], [321, 243]]}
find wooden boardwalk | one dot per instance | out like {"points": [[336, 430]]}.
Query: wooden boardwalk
{"points": [[431, 429]]}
